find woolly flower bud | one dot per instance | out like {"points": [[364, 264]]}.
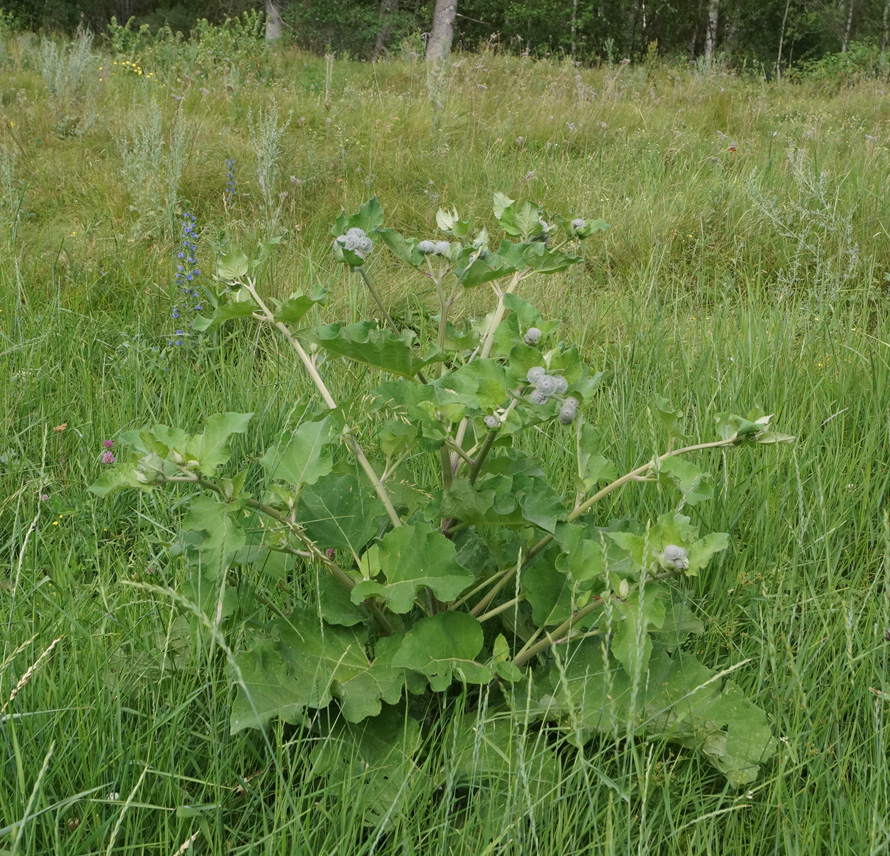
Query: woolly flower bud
{"points": [[568, 411], [552, 384], [442, 247], [535, 373], [491, 421], [538, 396], [578, 224], [365, 245], [351, 242], [676, 557], [355, 232], [532, 336], [427, 247]]}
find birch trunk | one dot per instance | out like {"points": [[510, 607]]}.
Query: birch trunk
{"points": [[845, 43], [274, 24], [439, 45], [711, 34]]}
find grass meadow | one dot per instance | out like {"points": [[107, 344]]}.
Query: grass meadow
{"points": [[747, 263]]}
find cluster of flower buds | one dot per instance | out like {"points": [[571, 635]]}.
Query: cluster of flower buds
{"points": [[491, 421], [676, 557], [434, 248], [356, 241], [546, 385], [532, 336]]}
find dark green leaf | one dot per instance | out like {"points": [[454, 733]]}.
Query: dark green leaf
{"points": [[338, 511], [444, 647], [366, 343], [302, 665], [414, 557]]}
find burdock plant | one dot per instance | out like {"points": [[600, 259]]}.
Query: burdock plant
{"points": [[488, 578]]}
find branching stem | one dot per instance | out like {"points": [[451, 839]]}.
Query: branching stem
{"points": [[585, 506], [351, 441]]}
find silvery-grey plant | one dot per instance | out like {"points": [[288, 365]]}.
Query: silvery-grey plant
{"points": [[265, 137], [68, 71]]}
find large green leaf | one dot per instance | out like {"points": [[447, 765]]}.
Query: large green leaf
{"points": [[373, 762], [444, 647], [233, 265], [227, 312], [366, 343], [217, 533], [411, 558], [302, 665], [294, 309], [631, 642], [298, 460], [404, 248], [338, 511], [368, 218], [677, 698], [593, 468], [695, 485], [210, 448]]}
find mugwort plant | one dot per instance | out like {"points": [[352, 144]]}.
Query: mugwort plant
{"points": [[485, 583]]}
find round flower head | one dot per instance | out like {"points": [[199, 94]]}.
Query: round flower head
{"points": [[365, 245], [568, 411], [442, 247], [578, 224], [552, 384], [355, 232], [538, 396], [532, 336], [427, 247], [676, 557], [491, 421], [535, 373]]}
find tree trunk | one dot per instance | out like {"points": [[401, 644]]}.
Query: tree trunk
{"points": [[387, 9], [439, 45], [274, 24], [885, 38], [711, 34], [574, 25], [782, 41], [845, 42]]}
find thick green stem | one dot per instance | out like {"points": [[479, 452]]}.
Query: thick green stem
{"points": [[351, 441], [557, 635], [476, 468]]}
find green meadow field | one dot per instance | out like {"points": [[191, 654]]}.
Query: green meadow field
{"points": [[746, 263]]}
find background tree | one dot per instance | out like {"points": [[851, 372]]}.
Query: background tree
{"points": [[442, 34]]}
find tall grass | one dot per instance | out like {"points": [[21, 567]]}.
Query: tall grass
{"points": [[728, 279]]}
